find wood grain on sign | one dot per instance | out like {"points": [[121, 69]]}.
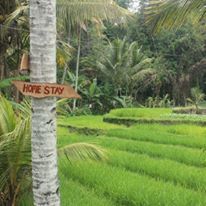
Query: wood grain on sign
{"points": [[41, 90]]}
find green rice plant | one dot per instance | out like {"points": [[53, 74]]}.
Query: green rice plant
{"points": [[127, 188], [191, 131], [188, 156], [152, 115], [141, 171], [179, 153], [190, 117], [65, 137], [164, 169], [140, 112], [75, 194], [155, 133], [93, 122]]}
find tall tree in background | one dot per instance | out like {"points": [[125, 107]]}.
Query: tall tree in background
{"points": [[121, 64], [43, 69], [77, 14]]}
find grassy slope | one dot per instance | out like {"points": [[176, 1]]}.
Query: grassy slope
{"points": [[93, 122], [128, 188], [188, 136], [148, 164], [141, 112], [153, 115]]}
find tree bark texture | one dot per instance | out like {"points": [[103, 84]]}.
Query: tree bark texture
{"points": [[43, 69], [1, 68], [2, 61], [77, 67]]}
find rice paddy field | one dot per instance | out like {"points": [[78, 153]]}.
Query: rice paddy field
{"points": [[146, 165]]}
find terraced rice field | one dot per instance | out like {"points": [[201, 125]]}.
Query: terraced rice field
{"points": [[147, 165]]}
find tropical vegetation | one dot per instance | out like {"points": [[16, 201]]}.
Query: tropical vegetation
{"points": [[136, 136], [142, 64]]}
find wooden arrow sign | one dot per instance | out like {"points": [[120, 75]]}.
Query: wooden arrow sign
{"points": [[41, 90]]}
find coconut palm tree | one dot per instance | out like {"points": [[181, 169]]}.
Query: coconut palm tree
{"points": [[173, 13], [121, 65], [43, 132]]}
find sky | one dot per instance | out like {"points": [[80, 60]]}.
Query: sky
{"points": [[134, 5]]}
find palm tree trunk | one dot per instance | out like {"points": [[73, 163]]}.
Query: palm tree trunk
{"points": [[77, 66], [1, 70], [2, 62], [66, 65], [64, 73], [43, 69]]}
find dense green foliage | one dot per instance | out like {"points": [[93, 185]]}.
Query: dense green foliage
{"points": [[15, 156], [114, 64], [114, 60]]}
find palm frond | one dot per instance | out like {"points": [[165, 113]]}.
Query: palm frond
{"points": [[23, 109], [83, 151], [8, 119], [63, 107], [173, 13], [77, 12], [8, 82], [12, 20], [15, 151]]}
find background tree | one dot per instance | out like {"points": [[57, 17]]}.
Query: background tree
{"points": [[196, 98], [120, 64], [87, 12]]}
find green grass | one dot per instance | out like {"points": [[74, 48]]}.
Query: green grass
{"points": [[190, 117], [75, 194], [148, 115], [65, 137], [163, 134], [140, 112], [148, 164], [127, 188], [166, 170], [188, 156], [93, 122]]}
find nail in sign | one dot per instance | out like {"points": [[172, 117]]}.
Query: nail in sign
{"points": [[41, 90]]}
